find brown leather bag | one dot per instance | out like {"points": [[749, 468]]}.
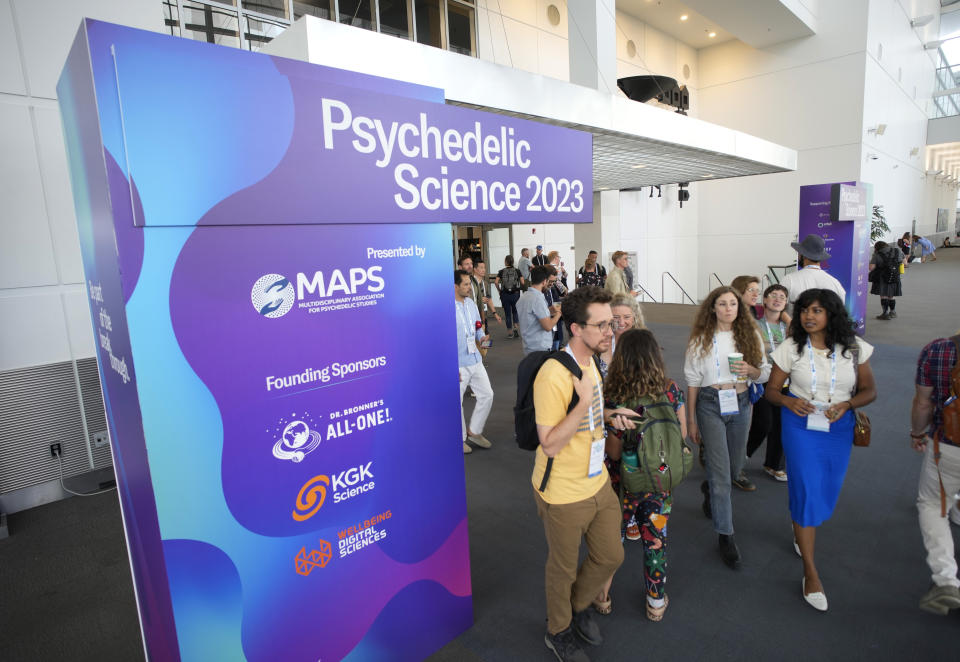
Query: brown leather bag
{"points": [[861, 426], [950, 430]]}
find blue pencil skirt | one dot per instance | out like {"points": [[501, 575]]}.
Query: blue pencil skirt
{"points": [[817, 464]]}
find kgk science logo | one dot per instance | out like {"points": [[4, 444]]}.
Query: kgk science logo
{"points": [[343, 486], [272, 295]]}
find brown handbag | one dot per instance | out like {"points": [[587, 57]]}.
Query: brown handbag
{"points": [[861, 425]]}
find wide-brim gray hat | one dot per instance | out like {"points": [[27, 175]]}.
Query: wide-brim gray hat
{"points": [[812, 248]]}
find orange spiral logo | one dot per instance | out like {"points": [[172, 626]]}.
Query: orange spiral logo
{"points": [[311, 498]]}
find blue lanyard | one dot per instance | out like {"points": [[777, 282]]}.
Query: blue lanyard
{"points": [[813, 373]]}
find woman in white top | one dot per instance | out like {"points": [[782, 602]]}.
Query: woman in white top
{"points": [[724, 355], [830, 374]]}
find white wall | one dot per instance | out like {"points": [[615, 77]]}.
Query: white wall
{"points": [[42, 297], [820, 95], [518, 34]]}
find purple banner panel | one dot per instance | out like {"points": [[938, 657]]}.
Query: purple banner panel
{"points": [[351, 153], [839, 214]]}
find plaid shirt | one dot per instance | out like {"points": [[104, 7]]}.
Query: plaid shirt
{"points": [[933, 369]]}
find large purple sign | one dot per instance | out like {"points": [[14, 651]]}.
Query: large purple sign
{"points": [[839, 214], [284, 425]]}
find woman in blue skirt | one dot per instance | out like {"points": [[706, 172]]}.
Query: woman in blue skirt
{"points": [[830, 375]]}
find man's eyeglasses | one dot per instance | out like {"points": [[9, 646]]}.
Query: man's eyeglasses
{"points": [[603, 327], [777, 297]]}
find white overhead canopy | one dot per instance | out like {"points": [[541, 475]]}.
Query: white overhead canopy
{"points": [[634, 144]]}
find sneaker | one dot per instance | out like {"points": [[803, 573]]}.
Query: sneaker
{"points": [[633, 530], [940, 600], [744, 483], [893, 314], [479, 440], [565, 646], [729, 552], [884, 316], [776, 474], [587, 628], [466, 448]]}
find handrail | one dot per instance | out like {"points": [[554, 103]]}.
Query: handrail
{"points": [[644, 290], [764, 277], [714, 275], [771, 267], [663, 288]]}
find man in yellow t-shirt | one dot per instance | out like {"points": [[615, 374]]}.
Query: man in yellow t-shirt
{"points": [[577, 499]]}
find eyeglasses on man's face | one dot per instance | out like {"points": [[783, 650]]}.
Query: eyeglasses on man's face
{"points": [[604, 326]]}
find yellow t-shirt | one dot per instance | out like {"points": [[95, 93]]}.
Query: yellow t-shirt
{"points": [[552, 392]]}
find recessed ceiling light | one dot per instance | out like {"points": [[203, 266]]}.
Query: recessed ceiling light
{"points": [[708, 175], [639, 165], [684, 17], [711, 34]]}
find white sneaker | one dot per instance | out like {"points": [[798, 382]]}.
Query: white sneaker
{"points": [[466, 449], [479, 440]]}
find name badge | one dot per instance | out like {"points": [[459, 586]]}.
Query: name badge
{"points": [[596, 458], [729, 405], [818, 419]]}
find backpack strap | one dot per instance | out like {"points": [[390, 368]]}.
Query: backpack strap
{"points": [[570, 364]]}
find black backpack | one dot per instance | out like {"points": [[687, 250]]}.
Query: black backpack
{"points": [[524, 416], [510, 279], [891, 266]]}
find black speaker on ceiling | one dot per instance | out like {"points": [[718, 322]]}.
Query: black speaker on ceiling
{"points": [[664, 89]]}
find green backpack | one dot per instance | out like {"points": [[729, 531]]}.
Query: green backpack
{"points": [[655, 457]]}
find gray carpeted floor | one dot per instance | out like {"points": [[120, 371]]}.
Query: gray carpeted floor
{"points": [[66, 594]]}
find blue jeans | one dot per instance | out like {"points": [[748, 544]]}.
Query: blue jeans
{"points": [[724, 441], [509, 301]]}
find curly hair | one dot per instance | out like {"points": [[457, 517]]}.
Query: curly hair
{"points": [[745, 337], [839, 329], [623, 299], [636, 369]]}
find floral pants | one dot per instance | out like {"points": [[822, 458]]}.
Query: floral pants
{"points": [[651, 510]]}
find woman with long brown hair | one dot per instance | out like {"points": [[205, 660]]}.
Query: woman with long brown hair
{"points": [[724, 354], [637, 380]]}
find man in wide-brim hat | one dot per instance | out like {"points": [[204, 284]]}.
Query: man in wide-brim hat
{"points": [[809, 274]]}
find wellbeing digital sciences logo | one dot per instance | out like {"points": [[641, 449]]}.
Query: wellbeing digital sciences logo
{"points": [[316, 558], [272, 295]]}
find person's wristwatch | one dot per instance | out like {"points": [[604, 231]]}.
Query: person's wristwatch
{"points": [[913, 435]]}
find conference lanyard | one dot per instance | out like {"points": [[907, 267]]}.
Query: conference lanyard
{"points": [[597, 446], [596, 376], [813, 374], [716, 359], [783, 334], [468, 334]]}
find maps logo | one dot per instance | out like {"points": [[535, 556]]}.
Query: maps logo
{"points": [[344, 485], [272, 295]]}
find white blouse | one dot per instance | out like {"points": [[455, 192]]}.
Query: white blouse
{"points": [[699, 370], [797, 364]]}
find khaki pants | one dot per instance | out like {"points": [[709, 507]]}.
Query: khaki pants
{"points": [[570, 589]]}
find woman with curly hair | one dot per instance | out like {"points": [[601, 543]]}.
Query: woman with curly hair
{"points": [[724, 354], [830, 374], [638, 375]]}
